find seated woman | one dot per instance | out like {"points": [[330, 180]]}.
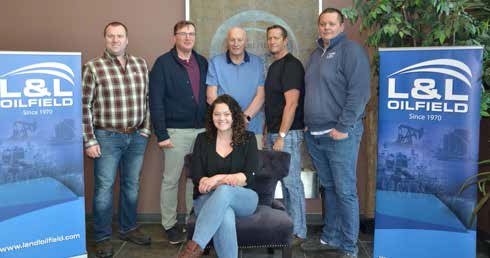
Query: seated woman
{"points": [[224, 161]]}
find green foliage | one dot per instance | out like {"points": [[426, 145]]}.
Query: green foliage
{"points": [[485, 104], [482, 180], [413, 23]]}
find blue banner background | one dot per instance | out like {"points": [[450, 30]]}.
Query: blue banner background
{"points": [[41, 173], [426, 149]]}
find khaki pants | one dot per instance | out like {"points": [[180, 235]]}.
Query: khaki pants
{"points": [[183, 141]]}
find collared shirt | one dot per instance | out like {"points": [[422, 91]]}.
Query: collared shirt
{"points": [[114, 96], [192, 68], [239, 81]]}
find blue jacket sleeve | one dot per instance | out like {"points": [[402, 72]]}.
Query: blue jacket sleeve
{"points": [[357, 73], [157, 100]]}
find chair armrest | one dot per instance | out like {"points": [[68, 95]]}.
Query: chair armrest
{"points": [[278, 205]]}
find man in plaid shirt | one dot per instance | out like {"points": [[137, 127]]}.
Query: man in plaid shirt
{"points": [[116, 127]]}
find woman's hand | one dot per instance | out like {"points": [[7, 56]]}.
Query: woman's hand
{"points": [[207, 184], [237, 179], [231, 179]]}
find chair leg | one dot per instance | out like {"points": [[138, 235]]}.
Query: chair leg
{"points": [[270, 250], [287, 252]]}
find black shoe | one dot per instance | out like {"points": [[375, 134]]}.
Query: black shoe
{"points": [[104, 249], [316, 245], [175, 235], [181, 227], [136, 236]]}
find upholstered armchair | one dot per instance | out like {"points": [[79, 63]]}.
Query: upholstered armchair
{"points": [[270, 226]]}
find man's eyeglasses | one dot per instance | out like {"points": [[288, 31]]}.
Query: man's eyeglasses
{"points": [[183, 34]]}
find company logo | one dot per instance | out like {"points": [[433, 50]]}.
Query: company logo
{"points": [[330, 55], [35, 91], [423, 95]]}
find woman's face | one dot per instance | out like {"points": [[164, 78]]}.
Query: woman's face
{"points": [[222, 117]]}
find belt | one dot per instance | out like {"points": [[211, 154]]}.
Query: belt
{"points": [[126, 130]]}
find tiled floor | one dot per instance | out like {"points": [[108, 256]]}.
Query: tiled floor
{"points": [[162, 249]]}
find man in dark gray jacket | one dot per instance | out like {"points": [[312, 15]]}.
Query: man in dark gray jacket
{"points": [[337, 88]]}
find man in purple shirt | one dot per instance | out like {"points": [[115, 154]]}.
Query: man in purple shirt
{"points": [[178, 107]]}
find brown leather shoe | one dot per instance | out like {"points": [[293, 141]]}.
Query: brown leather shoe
{"points": [[136, 236], [191, 250], [104, 249], [297, 241]]}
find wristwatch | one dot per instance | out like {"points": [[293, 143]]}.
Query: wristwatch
{"points": [[282, 135], [248, 118]]}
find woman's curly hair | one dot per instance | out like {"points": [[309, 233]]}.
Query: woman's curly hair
{"points": [[237, 126]]}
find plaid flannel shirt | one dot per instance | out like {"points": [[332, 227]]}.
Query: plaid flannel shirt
{"points": [[114, 97]]}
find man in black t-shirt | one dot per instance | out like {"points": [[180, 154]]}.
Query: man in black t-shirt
{"points": [[284, 94]]}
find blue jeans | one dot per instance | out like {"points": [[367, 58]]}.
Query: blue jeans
{"points": [[216, 213], [292, 187], [336, 161], [123, 151]]}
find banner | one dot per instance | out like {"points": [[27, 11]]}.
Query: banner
{"points": [[429, 104], [42, 210]]}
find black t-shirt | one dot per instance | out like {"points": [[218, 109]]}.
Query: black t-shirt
{"points": [[284, 74]]}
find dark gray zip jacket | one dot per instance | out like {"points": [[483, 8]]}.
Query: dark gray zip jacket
{"points": [[337, 85]]}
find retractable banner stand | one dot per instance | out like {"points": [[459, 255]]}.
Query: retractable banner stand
{"points": [[427, 146], [41, 169]]}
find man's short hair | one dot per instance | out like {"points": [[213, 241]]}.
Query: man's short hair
{"points": [[113, 24], [181, 24], [277, 26], [332, 10]]}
